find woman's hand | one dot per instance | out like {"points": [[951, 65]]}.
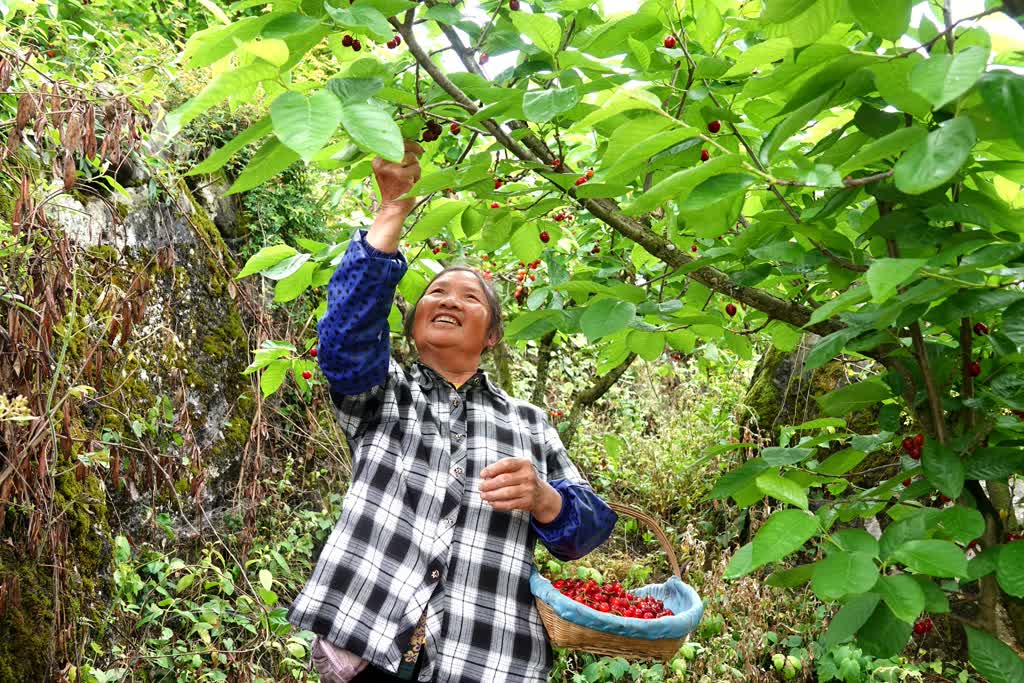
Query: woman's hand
{"points": [[513, 484], [395, 179]]}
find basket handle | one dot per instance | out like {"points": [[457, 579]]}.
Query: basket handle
{"points": [[649, 521]]}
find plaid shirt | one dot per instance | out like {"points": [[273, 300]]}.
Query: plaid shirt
{"points": [[414, 533]]}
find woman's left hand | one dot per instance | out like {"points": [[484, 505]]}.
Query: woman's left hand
{"points": [[513, 484]]}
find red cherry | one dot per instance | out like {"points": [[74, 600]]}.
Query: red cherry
{"points": [[974, 368], [908, 444], [648, 614], [730, 309], [455, 129], [513, 5], [919, 440], [908, 482], [532, 278], [705, 155], [537, 262], [556, 163], [484, 257], [602, 607], [497, 184], [495, 205], [944, 499], [391, 44], [714, 126], [545, 237], [582, 179], [356, 45], [559, 584], [306, 374], [595, 250], [436, 250], [483, 58], [980, 329], [313, 352], [670, 42], [915, 453], [347, 40], [693, 248], [51, 53]]}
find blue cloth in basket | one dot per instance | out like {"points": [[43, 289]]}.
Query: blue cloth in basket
{"points": [[679, 597]]}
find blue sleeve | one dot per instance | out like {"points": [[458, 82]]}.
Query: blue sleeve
{"points": [[355, 341], [584, 523]]}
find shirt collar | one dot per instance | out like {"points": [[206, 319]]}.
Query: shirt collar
{"points": [[426, 376]]}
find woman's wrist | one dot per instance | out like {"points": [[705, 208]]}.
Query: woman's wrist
{"points": [[550, 505]]}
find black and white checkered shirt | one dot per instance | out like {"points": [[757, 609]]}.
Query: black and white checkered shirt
{"points": [[414, 533]]}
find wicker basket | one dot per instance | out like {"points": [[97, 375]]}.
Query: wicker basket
{"points": [[565, 634]]}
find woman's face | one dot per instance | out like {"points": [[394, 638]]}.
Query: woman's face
{"points": [[452, 316]]}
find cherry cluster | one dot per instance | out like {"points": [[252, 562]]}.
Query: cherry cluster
{"points": [[349, 41], [924, 626], [612, 598], [912, 446], [585, 177], [432, 131], [394, 42], [563, 216]]}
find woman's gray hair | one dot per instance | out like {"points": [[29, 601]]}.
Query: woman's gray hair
{"points": [[497, 324]]}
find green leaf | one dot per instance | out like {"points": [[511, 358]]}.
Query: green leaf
{"points": [[1010, 569], [647, 345], [526, 244], [221, 156], [542, 30], [716, 189], [932, 557], [790, 578], [227, 83], [842, 573], [361, 18], [883, 634], [854, 397], [289, 288], [884, 147], [268, 161], [777, 457], [784, 532], [960, 524], [265, 258], [783, 489], [842, 462], [266, 579], [733, 481], [678, 185], [936, 159], [809, 25], [441, 213], [886, 18], [886, 274], [373, 130], [994, 464], [270, 50], [790, 126], [903, 595], [943, 467], [850, 617], [284, 268], [856, 540], [606, 316], [273, 375], [288, 24], [532, 324], [709, 24], [778, 11], [942, 78], [992, 658], [540, 106], [354, 90], [305, 124], [640, 51], [1003, 92], [741, 563]]}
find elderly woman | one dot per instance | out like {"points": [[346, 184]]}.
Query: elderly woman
{"points": [[426, 575]]}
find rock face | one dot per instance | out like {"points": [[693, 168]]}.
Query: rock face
{"points": [[155, 334]]}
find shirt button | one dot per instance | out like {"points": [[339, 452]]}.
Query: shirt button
{"points": [[435, 574], [457, 471], [455, 402], [460, 437], [450, 521]]}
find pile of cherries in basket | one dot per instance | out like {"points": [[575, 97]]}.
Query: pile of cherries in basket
{"points": [[611, 598]]}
